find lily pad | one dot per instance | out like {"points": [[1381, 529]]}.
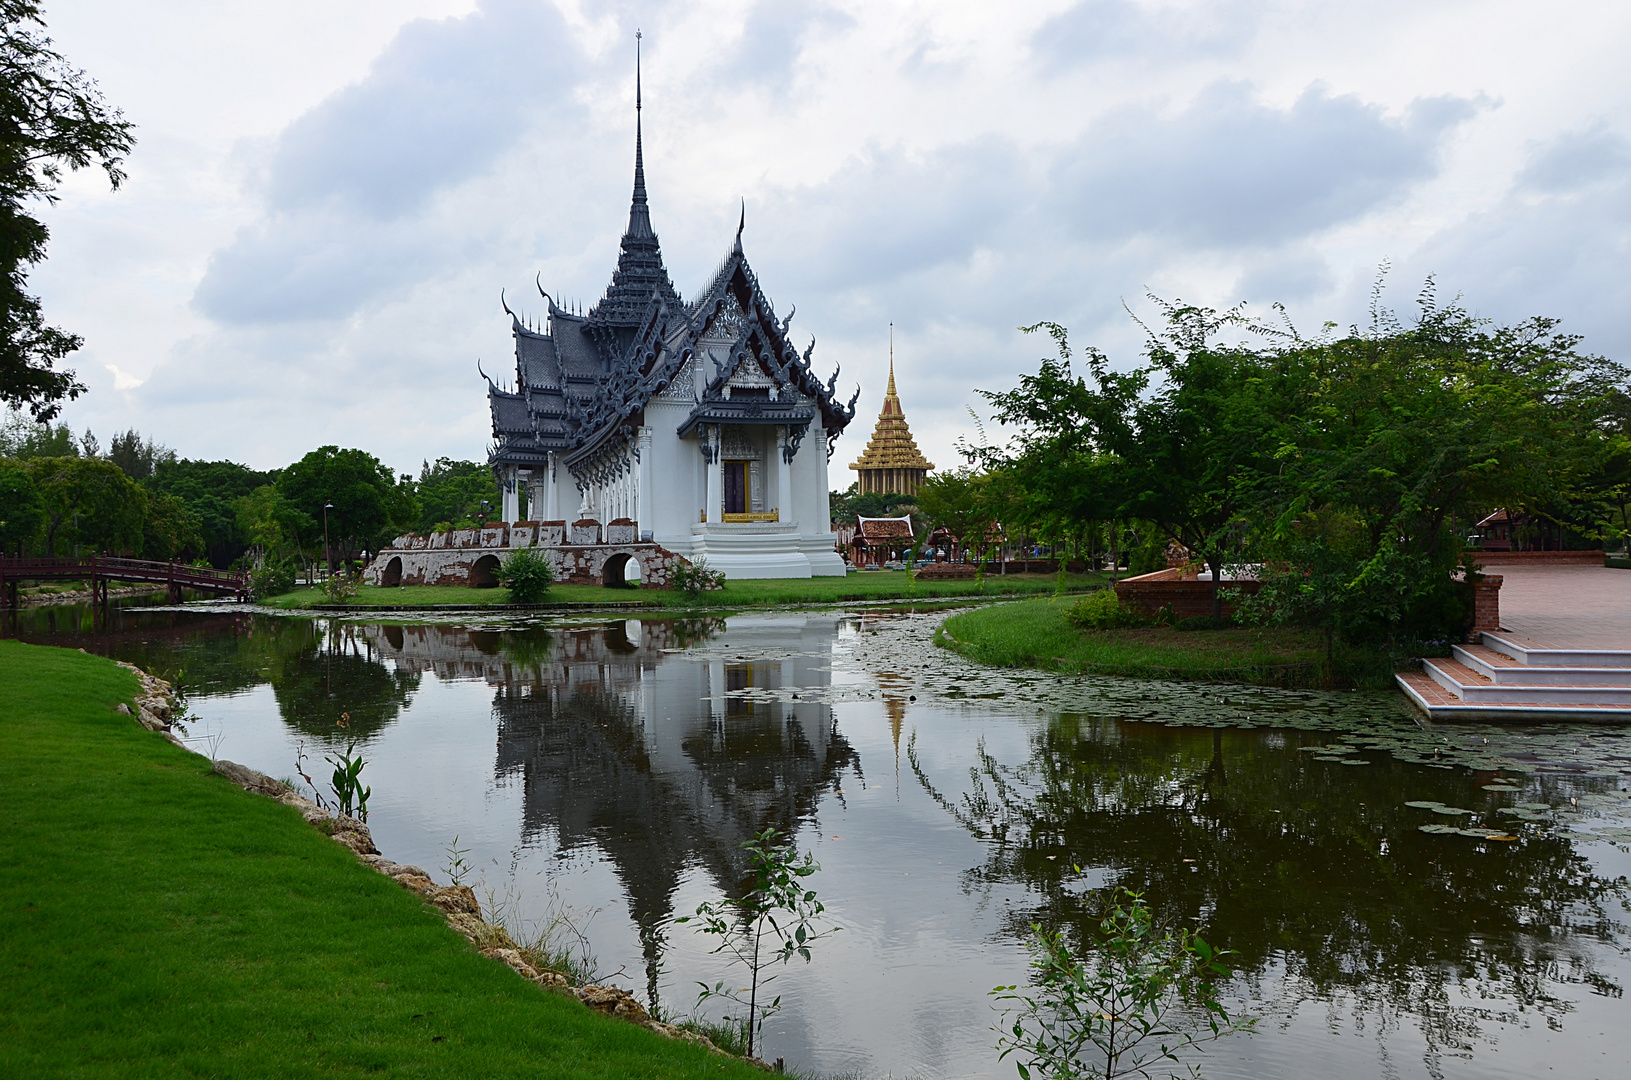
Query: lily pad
{"points": [[1424, 804], [1439, 830], [1353, 761], [1533, 806], [1450, 811], [1501, 787]]}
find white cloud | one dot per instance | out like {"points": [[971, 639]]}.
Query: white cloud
{"points": [[319, 260]]}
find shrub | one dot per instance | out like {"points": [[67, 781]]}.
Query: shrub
{"points": [[341, 586], [777, 919], [1103, 610], [273, 579], [1144, 995], [528, 574], [696, 578]]}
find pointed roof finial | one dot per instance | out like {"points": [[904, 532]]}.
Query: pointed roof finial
{"points": [[639, 213], [890, 393], [741, 223]]}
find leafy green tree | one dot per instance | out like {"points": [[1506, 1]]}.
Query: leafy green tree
{"points": [[370, 505], [137, 456], [210, 490], [1408, 435], [274, 524], [958, 501], [848, 505], [1403, 435], [169, 527], [1145, 997], [21, 510], [52, 117], [88, 503], [453, 492], [21, 436]]}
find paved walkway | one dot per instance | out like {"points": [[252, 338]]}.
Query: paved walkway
{"points": [[1566, 607]]}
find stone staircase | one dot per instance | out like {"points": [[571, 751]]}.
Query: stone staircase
{"points": [[1502, 680]]}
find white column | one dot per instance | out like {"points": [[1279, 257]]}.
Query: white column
{"points": [[512, 495], [716, 479], [784, 478], [552, 499], [823, 521], [644, 520]]}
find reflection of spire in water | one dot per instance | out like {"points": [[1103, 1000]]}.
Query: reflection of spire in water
{"points": [[894, 689]]}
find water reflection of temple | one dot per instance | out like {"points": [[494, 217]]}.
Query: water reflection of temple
{"points": [[660, 760]]}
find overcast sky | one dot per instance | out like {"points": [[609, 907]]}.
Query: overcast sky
{"points": [[327, 196]]}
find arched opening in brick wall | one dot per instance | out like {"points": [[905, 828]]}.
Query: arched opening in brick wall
{"points": [[621, 571], [392, 577], [484, 574]]}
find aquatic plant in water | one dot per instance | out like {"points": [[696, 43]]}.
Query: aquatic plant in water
{"points": [[776, 920], [1143, 998], [349, 792]]}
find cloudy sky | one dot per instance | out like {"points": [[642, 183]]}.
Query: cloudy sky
{"points": [[327, 196]]}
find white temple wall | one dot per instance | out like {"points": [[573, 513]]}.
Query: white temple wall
{"points": [[676, 475]]}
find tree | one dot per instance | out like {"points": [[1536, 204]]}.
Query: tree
{"points": [[1146, 995], [136, 456], [268, 521], [1201, 445], [848, 505], [453, 491], [21, 436], [956, 501], [169, 528], [21, 510], [370, 505], [211, 490], [777, 919], [52, 117], [88, 502]]}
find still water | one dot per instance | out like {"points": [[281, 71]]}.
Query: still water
{"points": [[608, 773]]}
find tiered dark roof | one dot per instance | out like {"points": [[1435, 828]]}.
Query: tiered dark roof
{"points": [[582, 385]]}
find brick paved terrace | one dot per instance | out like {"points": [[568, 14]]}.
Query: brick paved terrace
{"points": [[1566, 607]]}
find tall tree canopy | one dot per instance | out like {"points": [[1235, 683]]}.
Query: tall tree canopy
{"points": [[370, 505], [452, 493], [210, 490], [1356, 463], [52, 117]]}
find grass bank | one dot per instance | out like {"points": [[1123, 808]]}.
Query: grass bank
{"points": [[157, 921], [769, 592], [1038, 634]]}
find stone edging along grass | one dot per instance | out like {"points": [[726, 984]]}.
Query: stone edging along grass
{"points": [[155, 710]]}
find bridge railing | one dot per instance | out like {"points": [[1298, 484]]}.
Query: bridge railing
{"points": [[123, 569]]}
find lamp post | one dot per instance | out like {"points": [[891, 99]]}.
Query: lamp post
{"points": [[328, 552], [485, 510]]}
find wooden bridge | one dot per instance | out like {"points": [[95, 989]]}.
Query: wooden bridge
{"points": [[101, 569]]}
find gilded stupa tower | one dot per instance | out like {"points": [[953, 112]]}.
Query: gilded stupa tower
{"points": [[892, 463]]}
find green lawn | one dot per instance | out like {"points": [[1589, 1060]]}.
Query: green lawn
{"points": [[867, 585], [157, 921], [1037, 634]]}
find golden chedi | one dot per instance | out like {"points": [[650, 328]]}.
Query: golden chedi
{"points": [[892, 463]]}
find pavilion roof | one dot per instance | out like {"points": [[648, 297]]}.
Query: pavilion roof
{"points": [[885, 528]]}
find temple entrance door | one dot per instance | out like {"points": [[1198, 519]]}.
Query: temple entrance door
{"points": [[736, 487]]}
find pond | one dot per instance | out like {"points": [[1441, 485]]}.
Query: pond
{"points": [[1401, 901]]}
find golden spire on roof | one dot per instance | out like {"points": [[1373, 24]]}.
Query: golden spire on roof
{"points": [[892, 463]]}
